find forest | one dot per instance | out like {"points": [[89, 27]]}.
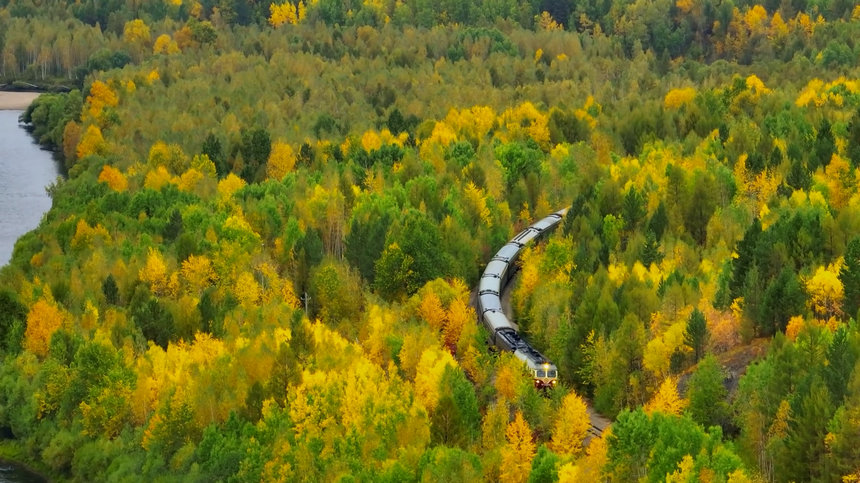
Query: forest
{"points": [[260, 263]]}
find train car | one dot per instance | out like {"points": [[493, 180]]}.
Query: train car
{"points": [[503, 333]]}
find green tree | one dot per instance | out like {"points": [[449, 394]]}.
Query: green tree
{"points": [[456, 420], [806, 450], [544, 466], [394, 277], [707, 394], [849, 275], [696, 335], [12, 316], [783, 299]]}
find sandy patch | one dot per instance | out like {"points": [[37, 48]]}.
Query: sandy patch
{"points": [[16, 101]]}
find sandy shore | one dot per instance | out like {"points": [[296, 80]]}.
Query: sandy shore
{"points": [[16, 101]]}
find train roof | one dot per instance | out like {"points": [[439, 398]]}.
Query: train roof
{"points": [[490, 285], [526, 236], [498, 320], [495, 268], [490, 302], [507, 252]]}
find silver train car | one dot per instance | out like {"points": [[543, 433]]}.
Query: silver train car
{"points": [[503, 334]]}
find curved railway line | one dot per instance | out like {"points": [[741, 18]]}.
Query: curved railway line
{"points": [[494, 281]]}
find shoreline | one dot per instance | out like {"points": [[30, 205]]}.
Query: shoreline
{"points": [[16, 101], [12, 454]]}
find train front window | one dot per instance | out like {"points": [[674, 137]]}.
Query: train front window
{"points": [[551, 374], [541, 373]]}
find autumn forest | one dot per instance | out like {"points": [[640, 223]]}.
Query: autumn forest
{"points": [[260, 265]]}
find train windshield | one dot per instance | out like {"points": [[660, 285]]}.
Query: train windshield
{"points": [[541, 373], [551, 374]]}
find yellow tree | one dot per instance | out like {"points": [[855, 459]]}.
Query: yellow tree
{"points": [[154, 273], [198, 272], [826, 292], [282, 159], [518, 453], [431, 367], [91, 142], [285, 13], [571, 426], [165, 45], [113, 178], [229, 185], [430, 309], [100, 96], [136, 34], [43, 319], [678, 97], [666, 400]]}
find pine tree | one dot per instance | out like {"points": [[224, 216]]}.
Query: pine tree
{"points": [[849, 275], [696, 335]]}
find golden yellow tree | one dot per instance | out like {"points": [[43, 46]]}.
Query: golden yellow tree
{"points": [[91, 142], [282, 159], [100, 96], [518, 453], [198, 272], [430, 309], [546, 22], [154, 273], [137, 34], [285, 13], [431, 367], [826, 292], [666, 400], [678, 97], [571, 426], [165, 45], [113, 178], [229, 185], [43, 319]]}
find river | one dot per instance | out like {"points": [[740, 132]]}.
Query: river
{"points": [[25, 171], [11, 473]]}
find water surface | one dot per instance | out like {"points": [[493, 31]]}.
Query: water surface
{"points": [[11, 473], [25, 171]]}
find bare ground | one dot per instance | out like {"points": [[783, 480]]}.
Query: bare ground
{"points": [[16, 101]]}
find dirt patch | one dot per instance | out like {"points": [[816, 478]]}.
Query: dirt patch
{"points": [[16, 101]]}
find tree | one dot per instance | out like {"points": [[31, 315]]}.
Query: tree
{"points": [[825, 292], [12, 313], [544, 466], [394, 277], [666, 400], [783, 299], [849, 275], [806, 448], [696, 335], [419, 238], [571, 426], [281, 161], [456, 420], [707, 395], [212, 148], [110, 290], [43, 319], [91, 142], [632, 209], [113, 178], [255, 148], [518, 452]]}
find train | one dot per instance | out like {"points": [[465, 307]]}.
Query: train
{"points": [[502, 332]]}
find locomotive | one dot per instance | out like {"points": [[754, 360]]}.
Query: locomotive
{"points": [[503, 333]]}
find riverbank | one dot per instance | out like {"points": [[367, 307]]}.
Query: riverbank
{"points": [[11, 452], [16, 101]]}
